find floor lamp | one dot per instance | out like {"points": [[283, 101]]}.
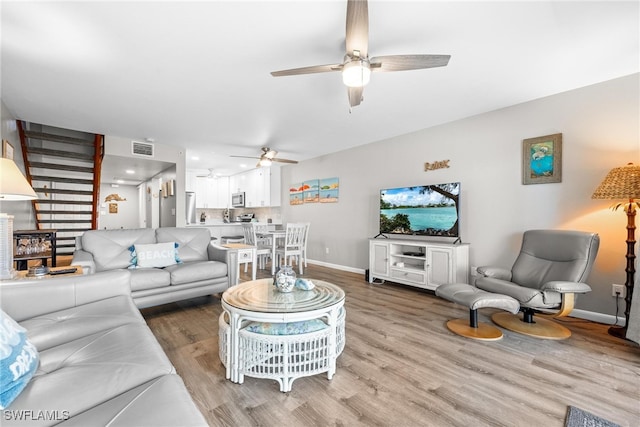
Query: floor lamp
{"points": [[624, 183], [13, 186]]}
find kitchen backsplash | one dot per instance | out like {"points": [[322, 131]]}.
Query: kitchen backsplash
{"points": [[261, 214]]}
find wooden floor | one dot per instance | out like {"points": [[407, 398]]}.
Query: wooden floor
{"points": [[402, 367]]}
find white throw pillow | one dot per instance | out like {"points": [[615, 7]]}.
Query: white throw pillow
{"points": [[156, 255]]}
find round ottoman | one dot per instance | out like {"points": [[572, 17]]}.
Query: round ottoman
{"points": [[474, 298]]}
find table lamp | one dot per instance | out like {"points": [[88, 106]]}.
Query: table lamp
{"points": [[624, 183], [13, 186]]}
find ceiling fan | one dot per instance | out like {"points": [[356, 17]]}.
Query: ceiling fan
{"points": [[357, 66], [267, 157], [209, 175]]}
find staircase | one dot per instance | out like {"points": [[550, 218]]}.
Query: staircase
{"points": [[63, 167]]}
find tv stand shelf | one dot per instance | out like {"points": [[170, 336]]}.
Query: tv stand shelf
{"points": [[419, 263]]}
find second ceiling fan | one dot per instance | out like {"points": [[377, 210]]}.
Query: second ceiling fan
{"points": [[357, 66], [267, 157]]}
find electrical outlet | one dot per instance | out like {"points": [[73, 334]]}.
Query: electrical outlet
{"points": [[326, 250], [618, 289]]}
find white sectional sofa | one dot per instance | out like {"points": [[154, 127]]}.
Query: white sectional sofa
{"points": [[204, 268], [99, 363]]}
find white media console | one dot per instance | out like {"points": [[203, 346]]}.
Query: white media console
{"points": [[419, 263]]}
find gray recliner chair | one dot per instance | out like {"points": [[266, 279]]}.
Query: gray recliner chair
{"points": [[550, 270]]}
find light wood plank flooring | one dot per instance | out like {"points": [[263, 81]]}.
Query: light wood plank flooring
{"points": [[402, 367]]}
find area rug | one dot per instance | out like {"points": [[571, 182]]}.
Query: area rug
{"points": [[576, 417]]}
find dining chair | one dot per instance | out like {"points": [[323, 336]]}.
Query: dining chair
{"points": [[262, 230], [293, 245], [306, 240], [251, 238]]}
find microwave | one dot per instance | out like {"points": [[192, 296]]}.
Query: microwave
{"points": [[237, 200]]}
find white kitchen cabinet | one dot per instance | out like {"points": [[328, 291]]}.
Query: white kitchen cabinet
{"points": [[257, 185], [212, 193], [418, 263]]}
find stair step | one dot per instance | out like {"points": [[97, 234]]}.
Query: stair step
{"points": [[61, 179], [65, 202], [60, 153], [70, 245], [62, 191], [57, 138], [69, 168], [60, 238], [74, 230], [61, 212], [64, 221]]}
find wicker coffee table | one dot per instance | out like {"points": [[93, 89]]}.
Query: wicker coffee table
{"points": [[279, 356]]}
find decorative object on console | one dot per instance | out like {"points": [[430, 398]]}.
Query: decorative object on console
{"points": [[624, 183], [285, 279], [13, 187], [542, 159]]}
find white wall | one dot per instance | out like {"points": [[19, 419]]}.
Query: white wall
{"points": [[600, 126], [128, 211], [23, 218], [119, 146]]}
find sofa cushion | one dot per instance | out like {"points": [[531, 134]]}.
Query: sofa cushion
{"points": [[193, 241], [163, 401], [18, 359], [149, 278], [110, 248], [49, 330], [189, 272], [78, 375], [154, 255]]}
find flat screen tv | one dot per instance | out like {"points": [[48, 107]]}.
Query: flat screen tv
{"points": [[426, 210]]}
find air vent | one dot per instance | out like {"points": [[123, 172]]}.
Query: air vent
{"points": [[142, 148]]}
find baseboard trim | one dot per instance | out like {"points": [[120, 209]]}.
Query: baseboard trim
{"points": [[607, 319], [593, 316], [336, 266]]}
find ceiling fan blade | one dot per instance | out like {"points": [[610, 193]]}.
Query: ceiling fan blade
{"points": [[284, 161], [408, 62], [357, 34], [355, 96], [308, 70], [245, 157]]}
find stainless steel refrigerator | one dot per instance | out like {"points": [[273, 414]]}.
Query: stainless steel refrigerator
{"points": [[191, 207]]}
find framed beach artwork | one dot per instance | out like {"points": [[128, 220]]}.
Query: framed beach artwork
{"points": [[311, 191], [329, 190], [296, 194], [542, 159]]}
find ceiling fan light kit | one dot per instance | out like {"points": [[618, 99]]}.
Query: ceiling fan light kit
{"points": [[356, 73], [357, 66]]}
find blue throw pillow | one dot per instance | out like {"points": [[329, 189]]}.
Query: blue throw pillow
{"points": [[19, 359], [291, 328], [154, 255]]}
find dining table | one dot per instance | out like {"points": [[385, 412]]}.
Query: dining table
{"points": [[274, 235]]}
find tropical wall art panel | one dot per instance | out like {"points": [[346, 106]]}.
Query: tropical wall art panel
{"points": [[329, 190], [325, 190], [542, 159]]}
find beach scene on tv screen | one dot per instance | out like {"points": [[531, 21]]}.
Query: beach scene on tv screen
{"points": [[428, 210]]}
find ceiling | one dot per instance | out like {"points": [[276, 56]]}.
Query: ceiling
{"points": [[197, 74]]}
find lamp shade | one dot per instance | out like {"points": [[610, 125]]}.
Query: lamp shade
{"points": [[13, 185], [620, 183]]}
